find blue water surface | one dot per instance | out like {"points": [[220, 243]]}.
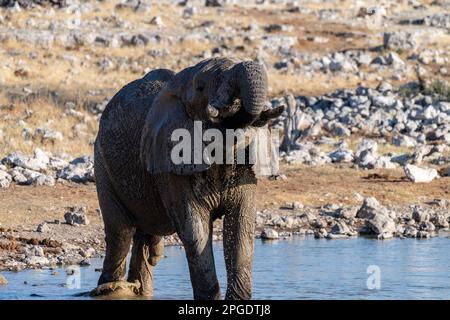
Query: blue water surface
{"points": [[296, 268]]}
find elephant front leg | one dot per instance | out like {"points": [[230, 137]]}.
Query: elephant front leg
{"points": [[239, 234], [196, 236]]}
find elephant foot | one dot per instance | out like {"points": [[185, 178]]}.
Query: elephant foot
{"points": [[117, 289]]}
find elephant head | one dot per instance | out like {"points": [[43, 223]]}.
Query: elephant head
{"points": [[219, 92]]}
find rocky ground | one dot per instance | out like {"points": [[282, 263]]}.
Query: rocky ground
{"points": [[365, 149]]}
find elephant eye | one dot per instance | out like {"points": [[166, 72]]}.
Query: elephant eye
{"points": [[200, 88]]}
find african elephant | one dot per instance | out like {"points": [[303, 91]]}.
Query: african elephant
{"points": [[144, 196]]}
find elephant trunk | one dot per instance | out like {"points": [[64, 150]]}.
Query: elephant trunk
{"points": [[249, 81]]}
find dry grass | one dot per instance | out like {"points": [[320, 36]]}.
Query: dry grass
{"points": [[319, 83], [45, 113]]}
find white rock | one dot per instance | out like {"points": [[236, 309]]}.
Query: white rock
{"points": [[45, 180], [341, 155], [340, 227], [88, 253], [269, 234], [36, 260], [383, 101], [40, 155], [157, 21], [366, 144], [57, 164], [16, 159], [383, 162], [79, 170], [394, 60], [420, 175], [370, 208], [404, 141], [381, 225], [5, 179], [336, 236], [410, 232], [420, 215]]}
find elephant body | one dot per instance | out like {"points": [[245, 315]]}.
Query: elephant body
{"points": [[117, 153], [144, 197]]}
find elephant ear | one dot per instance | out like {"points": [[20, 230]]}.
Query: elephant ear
{"points": [[261, 149], [166, 115]]}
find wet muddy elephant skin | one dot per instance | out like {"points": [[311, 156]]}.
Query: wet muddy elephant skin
{"points": [[143, 197]]}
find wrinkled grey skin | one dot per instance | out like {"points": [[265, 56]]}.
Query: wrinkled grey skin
{"points": [[144, 197]]}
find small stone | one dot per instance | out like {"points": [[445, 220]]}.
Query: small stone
{"points": [[85, 262], [384, 86], [340, 227], [440, 221], [321, 233], [188, 12], [212, 3], [427, 226], [370, 208], [43, 227], [157, 21], [404, 141], [278, 177], [381, 225], [5, 179], [410, 232], [366, 144], [423, 234], [341, 131], [342, 155], [269, 234], [45, 180], [336, 236], [79, 170], [346, 212], [296, 205], [384, 101], [420, 215], [87, 253], [394, 60], [76, 216], [385, 235]]}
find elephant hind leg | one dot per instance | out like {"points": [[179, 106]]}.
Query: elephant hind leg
{"points": [[146, 252], [118, 241]]}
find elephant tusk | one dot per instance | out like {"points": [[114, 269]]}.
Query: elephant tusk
{"points": [[212, 112]]}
